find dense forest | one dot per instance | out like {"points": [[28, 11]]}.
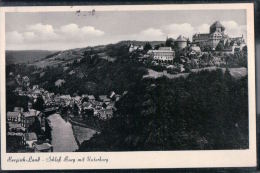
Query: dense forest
{"points": [[207, 110]]}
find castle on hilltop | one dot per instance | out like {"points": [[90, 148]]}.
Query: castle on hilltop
{"points": [[215, 35]]}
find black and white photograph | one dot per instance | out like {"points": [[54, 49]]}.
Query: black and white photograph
{"points": [[92, 80]]}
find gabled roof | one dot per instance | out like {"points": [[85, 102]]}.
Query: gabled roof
{"points": [[18, 109], [30, 136], [31, 113], [104, 98], [43, 146], [91, 97], [217, 24]]}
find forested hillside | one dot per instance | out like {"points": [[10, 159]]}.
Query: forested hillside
{"points": [[204, 110], [207, 110]]}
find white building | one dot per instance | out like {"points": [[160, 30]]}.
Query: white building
{"points": [[133, 48], [164, 54]]}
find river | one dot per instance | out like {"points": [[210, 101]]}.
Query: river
{"points": [[63, 139]]}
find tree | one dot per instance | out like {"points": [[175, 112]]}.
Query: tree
{"points": [[156, 47], [75, 110], [169, 42], [35, 127], [205, 48], [188, 41], [39, 104], [227, 45], [220, 46], [147, 46], [244, 49]]}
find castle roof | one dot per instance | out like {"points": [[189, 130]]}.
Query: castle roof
{"points": [[217, 24], [165, 48], [181, 38]]}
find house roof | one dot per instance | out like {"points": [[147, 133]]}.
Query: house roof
{"points": [[165, 48], [195, 48], [104, 112], [43, 146], [26, 78], [104, 98], [13, 114], [91, 97], [18, 109], [30, 136], [112, 94], [65, 97], [13, 125], [86, 104], [31, 113], [77, 98]]}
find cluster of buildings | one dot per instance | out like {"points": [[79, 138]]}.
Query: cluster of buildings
{"points": [[20, 123], [101, 106], [21, 130], [215, 35], [195, 48]]}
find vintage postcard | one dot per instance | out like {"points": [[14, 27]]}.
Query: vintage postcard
{"points": [[129, 86]]}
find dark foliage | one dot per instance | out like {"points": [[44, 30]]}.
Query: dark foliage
{"points": [[204, 111]]}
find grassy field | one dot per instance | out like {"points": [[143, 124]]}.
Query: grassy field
{"points": [[82, 133]]}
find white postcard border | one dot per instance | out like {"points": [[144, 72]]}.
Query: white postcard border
{"points": [[147, 159]]}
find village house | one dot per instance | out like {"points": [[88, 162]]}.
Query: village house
{"points": [[137, 47], [86, 105], [44, 147], [105, 114], [104, 99], [18, 109], [13, 116], [28, 118], [15, 127], [91, 98], [29, 139], [26, 81]]}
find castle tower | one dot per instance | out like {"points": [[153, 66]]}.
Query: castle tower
{"points": [[181, 42], [216, 27]]}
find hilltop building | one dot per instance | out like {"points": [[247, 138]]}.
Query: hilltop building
{"points": [[181, 42], [135, 47], [215, 35], [164, 54]]}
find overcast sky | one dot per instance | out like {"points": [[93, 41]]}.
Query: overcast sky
{"points": [[65, 30]]}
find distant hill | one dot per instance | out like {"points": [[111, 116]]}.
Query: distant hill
{"points": [[153, 43], [103, 51], [25, 56]]}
